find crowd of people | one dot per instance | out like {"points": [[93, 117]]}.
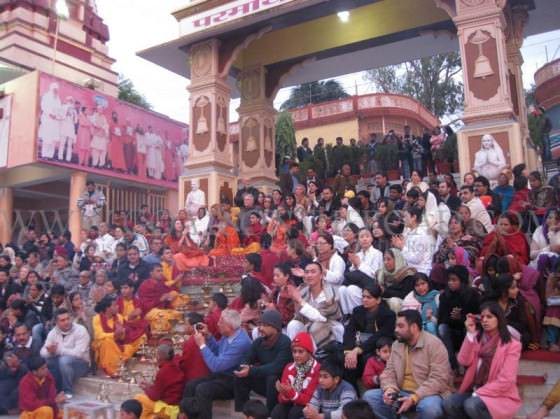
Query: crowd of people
{"points": [[357, 300]]}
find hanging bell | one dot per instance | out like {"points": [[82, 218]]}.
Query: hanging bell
{"points": [[482, 67]]}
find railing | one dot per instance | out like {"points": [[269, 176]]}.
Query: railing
{"points": [[363, 103], [548, 72]]}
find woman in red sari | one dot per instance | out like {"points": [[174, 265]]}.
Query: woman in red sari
{"points": [[507, 239], [186, 253]]}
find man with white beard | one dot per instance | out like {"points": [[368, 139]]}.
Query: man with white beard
{"points": [[51, 116]]}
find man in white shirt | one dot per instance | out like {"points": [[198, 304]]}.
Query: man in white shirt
{"points": [[478, 211], [104, 243], [67, 351]]}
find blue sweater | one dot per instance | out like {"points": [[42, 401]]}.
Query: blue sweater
{"points": [[226, 354]]}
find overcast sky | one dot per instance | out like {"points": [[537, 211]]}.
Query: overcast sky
{"points": [[137, 24]]}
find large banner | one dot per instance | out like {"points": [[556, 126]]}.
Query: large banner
{"points": [[86, 130]]}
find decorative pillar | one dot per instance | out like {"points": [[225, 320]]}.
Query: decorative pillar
{"points": [[517, 17], [77, 187], [489, 108], [210, 161], [6, 214], [256, 129]]}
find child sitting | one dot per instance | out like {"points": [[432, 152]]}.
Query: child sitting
{"points": [[376, 364], [299, 379], [331, 395]]}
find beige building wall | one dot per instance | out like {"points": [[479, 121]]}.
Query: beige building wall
{"points": [[346, 129]]}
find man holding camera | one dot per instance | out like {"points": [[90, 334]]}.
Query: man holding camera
{"points": [[264, 363], [222, 358], [417, 375]]}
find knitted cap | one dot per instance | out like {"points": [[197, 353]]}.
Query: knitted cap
{"points": [[272, 318], [305, 341]]}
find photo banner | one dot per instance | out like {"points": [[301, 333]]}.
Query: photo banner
{"points": [[82, 129]]}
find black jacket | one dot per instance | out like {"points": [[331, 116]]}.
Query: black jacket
{"points": [[269, 361], [138, 274], [379, 323], [467, 299]]}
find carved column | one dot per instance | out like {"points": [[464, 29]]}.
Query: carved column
{"points": [[256, 128], [517, 17], [210, 154], [482, 30]]}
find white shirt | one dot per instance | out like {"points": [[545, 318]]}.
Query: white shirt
{"points": [[335, 274], [105, 245], [419, 248], [370, 261], [72, 343]]}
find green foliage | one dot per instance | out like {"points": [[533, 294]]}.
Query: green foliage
{"points": [[285, 137], [449, 151], [432, 81], [314, 92], [128, 93], [387, 155], [537, 129]]}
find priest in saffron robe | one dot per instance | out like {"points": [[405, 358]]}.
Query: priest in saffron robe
{"points": [[114, 339], [227, 239], [252, 240], [163, 396], [173, 277], [157, 300]]}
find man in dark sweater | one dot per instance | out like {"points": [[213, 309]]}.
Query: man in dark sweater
{"points": [[264, 363]]}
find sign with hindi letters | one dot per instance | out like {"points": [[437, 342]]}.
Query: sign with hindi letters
{"points": [[226, 13]]}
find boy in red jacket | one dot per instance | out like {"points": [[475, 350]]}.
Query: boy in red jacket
{"points": [[37, 392], [299, 379], [376, 364]]}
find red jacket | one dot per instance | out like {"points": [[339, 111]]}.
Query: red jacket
{"points": [[269, 261], [211, 320], [191, 362], [168, 385], [33, 395], [373, 369], [309, 385]]}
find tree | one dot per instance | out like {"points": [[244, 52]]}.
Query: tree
{"points": [[432, 81], [128, 93], [285, 138], [314, 92]]}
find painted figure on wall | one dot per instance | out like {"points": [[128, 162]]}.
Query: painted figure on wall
{"points": [[51, 115], [489, 161]]}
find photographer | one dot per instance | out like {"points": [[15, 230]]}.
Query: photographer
{"points": [[490, 354], [417, 374]]}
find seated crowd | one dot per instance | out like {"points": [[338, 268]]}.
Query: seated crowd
{"points": [[358, 301]]}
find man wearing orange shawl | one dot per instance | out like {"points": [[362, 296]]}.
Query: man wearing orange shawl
{"points": [[156, 299], [252, 240], [227, 239], [114, 339]]}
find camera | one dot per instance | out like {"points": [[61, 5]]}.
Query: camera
{"points": [[199, 326], [395, 402]]}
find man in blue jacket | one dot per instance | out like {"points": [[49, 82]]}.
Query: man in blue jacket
{"points": [[222, 358]]}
